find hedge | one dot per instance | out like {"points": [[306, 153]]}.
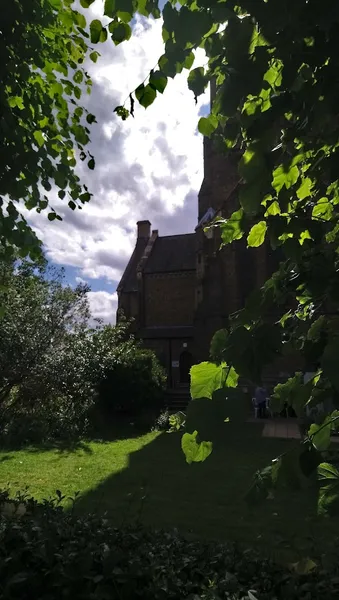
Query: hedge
{"points": [[47, 553]]}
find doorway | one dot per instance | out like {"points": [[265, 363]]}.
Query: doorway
{"points": [[185, 364]]}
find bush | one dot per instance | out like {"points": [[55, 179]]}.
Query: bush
{"points": [[161, 423], [133, 382], [47, 553], [93, 371], [53, 418]]}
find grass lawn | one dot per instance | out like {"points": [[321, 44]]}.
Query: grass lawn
{"points": [[147, 477]]}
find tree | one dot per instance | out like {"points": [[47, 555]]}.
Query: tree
{"points": [[40, 313], [276, 70], [44, 129]]}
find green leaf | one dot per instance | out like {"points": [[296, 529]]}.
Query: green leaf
{"points": [[120, 33], [145, 95], [86, 3], [78, 76], [109, 8], [322, 210], [193, 450], [125, 16], [52, 216], [207, 125], [321, 434], [273, 209], [90, 119], [85, 197], [16, 101], [218, 345], [189, 60], [39, 138], [251, 196], [304, 566], [94, 56], [231, 229], [305, 188], [291, 393], [95, 31], [327, 472], [316, 328], [61, 194], [91, 164], [81, 21], [257, 234], [252, 165], [285, 176], [158, 81], [197, 81], [208, 377]]}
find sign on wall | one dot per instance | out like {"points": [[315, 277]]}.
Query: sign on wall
{"points": [[175, 364]]}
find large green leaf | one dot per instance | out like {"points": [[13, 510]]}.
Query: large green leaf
{"points": [[121, 32], [322, 210], [195, 451], [158, 81], [95, 31], [327, 472], [208, 377], [285, 176], [252, 164], [321, 434], [207, 125], [145, 95], [256, 236], [197, 81], [292, 392], [328, 500], [231, 229]]}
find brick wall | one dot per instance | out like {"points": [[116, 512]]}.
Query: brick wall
{"points": [[169, 298]]}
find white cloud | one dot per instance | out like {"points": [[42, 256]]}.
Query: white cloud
{"points": [[103, 305], [80, 280], [146, 167]]}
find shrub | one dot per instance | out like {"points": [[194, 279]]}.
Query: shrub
{"points": [[48, 553], [161, 423], [132, 382], [51, 418]]}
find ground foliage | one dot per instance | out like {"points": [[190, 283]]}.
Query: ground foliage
{"points": [[276, 70], [45, 551]]}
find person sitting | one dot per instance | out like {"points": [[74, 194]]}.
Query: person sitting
{"points": [[260, 396]]}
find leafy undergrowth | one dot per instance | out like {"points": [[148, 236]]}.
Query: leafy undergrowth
{"points": [[147, 478], [46, 553]]}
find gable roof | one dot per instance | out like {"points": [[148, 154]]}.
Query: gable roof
{"points": [[172, 253], [129, 282]]}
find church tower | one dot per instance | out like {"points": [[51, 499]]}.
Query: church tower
{"points": [[225, 277]]}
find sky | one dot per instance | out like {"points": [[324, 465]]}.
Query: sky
{"points": [[149, 167]]}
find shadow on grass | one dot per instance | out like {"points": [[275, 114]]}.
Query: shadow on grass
{"points": [[207, 499], [6, 458]]}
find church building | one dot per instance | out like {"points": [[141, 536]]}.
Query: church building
{"points": [[180, 289]]}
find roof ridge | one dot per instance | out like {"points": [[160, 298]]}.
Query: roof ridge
{"points": [[161, 237]]}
